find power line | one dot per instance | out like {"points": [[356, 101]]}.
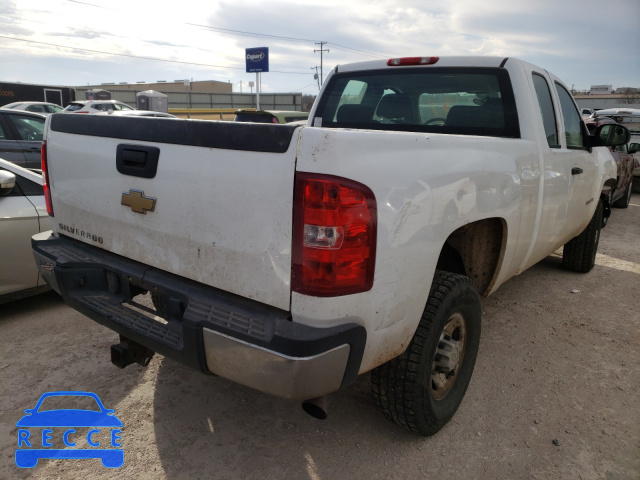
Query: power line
{"points": [[342, 47], [138, 56], [217, 29], [249, 34]]}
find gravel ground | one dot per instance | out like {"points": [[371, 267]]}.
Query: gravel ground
{"points": [[555, 393]]}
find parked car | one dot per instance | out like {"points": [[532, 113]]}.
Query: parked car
{"points": [[634, 150], [23, 213], [21, 137], [96, 106], [270, 116], [44, 108], [587, 112], [620, 195]]}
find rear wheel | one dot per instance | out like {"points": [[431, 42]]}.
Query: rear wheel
{"points": [[422, 388], [579, 253]]}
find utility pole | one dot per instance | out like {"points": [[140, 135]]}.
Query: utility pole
{"points": [[316, 76], [321, 52]]}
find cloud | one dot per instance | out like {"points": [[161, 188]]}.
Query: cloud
{"points": [[576, 39], [77, 33]]}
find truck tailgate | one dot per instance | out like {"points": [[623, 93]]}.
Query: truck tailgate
{"points": [[217, 208]]}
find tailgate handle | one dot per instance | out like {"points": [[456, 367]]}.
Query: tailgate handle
{"points": [[137, 160], [576, 171]]}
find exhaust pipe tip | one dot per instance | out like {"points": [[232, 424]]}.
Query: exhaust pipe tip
{"points": [[316, 407]]}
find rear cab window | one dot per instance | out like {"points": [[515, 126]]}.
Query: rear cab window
{"points": [[450, 100]]}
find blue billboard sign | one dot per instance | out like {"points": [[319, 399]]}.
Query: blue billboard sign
{"points": [[257, 59]]}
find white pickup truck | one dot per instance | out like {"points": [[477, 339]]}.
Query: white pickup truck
{"points": [[293, 259]]}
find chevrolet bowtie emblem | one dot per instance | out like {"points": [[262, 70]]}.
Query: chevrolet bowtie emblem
{"points": [[138, 202]]}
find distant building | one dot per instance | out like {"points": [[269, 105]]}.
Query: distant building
{"points": [[601, 90], [204, 86]]}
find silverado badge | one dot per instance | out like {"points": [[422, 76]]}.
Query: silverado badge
{"points": [[138, 202]]}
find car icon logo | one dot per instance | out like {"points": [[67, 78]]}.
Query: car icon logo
{"points": [[40, 430]]}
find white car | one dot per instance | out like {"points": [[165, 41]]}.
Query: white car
{"points": [[23, 213], [96, 106], [44, 108], [138, 113]]}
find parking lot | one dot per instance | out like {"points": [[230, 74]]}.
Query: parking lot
{"points": [[555, 393]]}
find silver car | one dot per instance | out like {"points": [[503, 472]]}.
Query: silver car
{"points": [[23, 213]]}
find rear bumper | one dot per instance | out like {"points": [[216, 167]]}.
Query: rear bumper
{"points": [[205, 328]]}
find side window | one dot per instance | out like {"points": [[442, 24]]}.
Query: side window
{"points": [[621, 148], [547, 111], [25, 187], [28, 128], [572, 119], [35, 108], [3, 136]]}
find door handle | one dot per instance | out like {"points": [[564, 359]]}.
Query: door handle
{"points": [[576, 171]]}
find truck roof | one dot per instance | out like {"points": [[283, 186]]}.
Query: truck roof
{"points": [[452, 61]]}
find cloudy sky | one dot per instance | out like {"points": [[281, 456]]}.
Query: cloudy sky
{"points": [[75, 43]]}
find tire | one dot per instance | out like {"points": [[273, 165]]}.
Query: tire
{"points": [[623, 202], [579, 253], [606, 209], [422, 388]]}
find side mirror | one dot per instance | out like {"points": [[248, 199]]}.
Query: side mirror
{"points": [[634, 148], [611, 135], [7, 182]]}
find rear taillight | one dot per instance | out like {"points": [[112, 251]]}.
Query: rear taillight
{"points": [[405, 61], [334, 241], [45, 178]]}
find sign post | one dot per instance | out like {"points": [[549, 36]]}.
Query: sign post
{"points": [[257, 60]]}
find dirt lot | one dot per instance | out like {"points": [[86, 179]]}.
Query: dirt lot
{"points": [[559, 361]]}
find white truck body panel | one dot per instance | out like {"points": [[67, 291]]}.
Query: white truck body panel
{"points": [[225, 217], [209, 223]]}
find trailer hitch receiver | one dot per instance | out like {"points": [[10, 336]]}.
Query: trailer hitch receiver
{"points": [[128, 352]]}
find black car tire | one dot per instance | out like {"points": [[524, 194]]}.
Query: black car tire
{"points": [[419, 389], [579, 253]]}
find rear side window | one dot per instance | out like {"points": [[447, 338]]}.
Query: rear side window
{"points": [[72, 107], [104, 107], [547, 110], [466, 101], [572, 119], [36, 108], [25, 187], [28, 128]]}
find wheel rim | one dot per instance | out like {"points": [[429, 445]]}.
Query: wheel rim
{"points": [[449, 356]]}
